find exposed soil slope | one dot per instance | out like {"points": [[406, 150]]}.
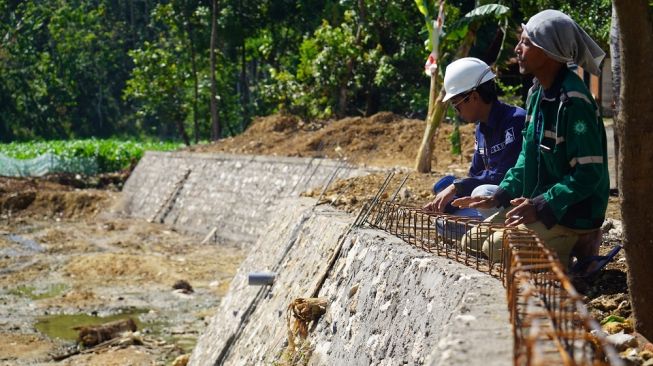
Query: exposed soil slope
{"points": [[384, 139]]}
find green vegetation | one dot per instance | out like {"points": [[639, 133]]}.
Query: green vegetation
{"points": [[32, 293], [110, 154], [104, 68], [454, 138]]}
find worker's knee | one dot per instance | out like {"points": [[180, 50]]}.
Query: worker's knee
{"points": [[493, 247]]}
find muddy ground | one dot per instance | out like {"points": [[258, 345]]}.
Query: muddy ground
{"points": [[68, 259]]}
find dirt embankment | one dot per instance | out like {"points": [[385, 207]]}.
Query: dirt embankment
{"points": [[384, 139]]}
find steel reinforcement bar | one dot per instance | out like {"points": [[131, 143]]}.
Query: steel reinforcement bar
{"points": [[551, 325]]}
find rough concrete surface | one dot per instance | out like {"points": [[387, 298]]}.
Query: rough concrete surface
{"points": [[392, 304], [230, 193], [296, 246], [389, 303]]}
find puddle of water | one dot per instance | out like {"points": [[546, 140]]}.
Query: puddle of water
{"points": [[61, 326], [33, 293], [186, 343]]}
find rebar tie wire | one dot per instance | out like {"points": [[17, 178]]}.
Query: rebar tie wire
{"points": [[551, 325]]}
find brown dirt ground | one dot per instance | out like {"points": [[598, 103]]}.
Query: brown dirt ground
{"points": [[95, 255], [103, 264], [384, 139]]}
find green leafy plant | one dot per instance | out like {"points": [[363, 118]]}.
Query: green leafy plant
{"points": [[456, 148], [110, 154]]}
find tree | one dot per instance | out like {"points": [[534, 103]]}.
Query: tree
{"points": [[615, 66], [63, 66], [215, 118], [85, 68], [633, 125], [460, 36], [359, 58], [164, 78], [592, 15]]}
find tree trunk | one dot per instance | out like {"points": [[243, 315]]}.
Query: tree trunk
{"points": [[342, 94], [616, 86], [179, 121], [437, 109], [433, 119], [215, 121], [244, 87], [636, 157], [372, 100], [193, 63]]}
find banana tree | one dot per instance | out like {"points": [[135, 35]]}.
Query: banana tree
{"points": [[453, 43]]}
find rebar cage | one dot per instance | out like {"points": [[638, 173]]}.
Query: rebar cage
{"points": [[551, 325]]}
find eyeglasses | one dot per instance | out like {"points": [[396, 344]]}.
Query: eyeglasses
{"points": [[458, 103]]}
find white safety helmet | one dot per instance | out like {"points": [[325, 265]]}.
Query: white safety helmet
{"points": [[464, 75]]}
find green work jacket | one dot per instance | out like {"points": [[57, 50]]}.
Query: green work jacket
{"points": [[563, 164]]}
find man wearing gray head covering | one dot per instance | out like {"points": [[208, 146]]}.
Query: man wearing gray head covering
{"points": [[563, 40], [560, 185]]}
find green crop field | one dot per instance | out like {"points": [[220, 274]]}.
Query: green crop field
{"points": [[110, 154]]}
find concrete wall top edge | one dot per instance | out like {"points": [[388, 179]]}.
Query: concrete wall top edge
{"points": [[266, 159]]}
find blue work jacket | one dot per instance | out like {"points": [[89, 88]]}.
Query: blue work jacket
{"points": [[497, 147]]}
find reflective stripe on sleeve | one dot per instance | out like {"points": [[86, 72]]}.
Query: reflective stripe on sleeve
{"points": [[552, 135], [577, 94], [586, 160]]}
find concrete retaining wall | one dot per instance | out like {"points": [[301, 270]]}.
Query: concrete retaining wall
{"points": [[232, 193], [389, 303]]}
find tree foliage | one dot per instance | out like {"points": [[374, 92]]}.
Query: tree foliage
{"points": [[141, 68], [594, 16]]}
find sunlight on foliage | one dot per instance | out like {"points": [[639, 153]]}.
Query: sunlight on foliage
{"points": [[111, 154]]}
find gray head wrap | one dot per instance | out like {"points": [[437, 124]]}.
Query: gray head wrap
{"points": [[563, 40]]}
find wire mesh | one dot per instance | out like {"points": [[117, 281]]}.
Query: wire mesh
{"points": [[551, 325], [46, 164]]}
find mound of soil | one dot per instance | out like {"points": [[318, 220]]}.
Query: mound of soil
{"points": [[384, 139], [44, 198]]}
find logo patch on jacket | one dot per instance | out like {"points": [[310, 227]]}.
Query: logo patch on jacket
{"points": [[510, 135], [580, 128], [509, 138]]}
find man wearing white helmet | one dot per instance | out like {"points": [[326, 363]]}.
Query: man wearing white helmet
{"points": [[559, 187], [469, 86]]}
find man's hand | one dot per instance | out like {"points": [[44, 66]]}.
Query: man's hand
{"points": [[523, 213], [441, 200], [475, 202]]}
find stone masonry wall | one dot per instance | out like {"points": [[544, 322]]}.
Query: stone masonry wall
{"points": [[233, 194], [389, 303], [392, 304]]}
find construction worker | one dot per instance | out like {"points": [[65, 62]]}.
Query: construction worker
{"points": [[469, 85], [559, 187]]}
